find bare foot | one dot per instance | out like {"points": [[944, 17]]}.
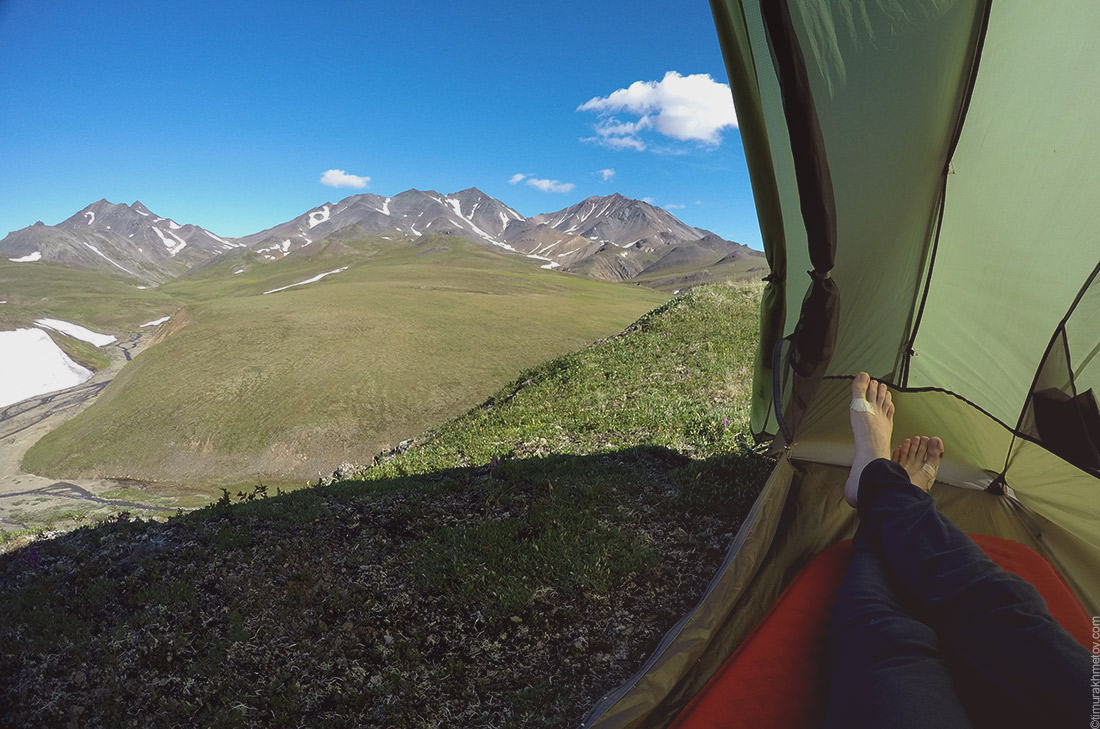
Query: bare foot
{"points": [[920, 456], [872, 415]]}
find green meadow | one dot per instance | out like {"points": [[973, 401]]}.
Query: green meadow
{"points": [[243, 386], [99, 301]]}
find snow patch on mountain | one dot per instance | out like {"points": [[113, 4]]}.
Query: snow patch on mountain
{"points": [[319, 216], [91, 216], [29, 258], [457, 207], [220, 240], [117, 265], [155, 322], [173, 249]]}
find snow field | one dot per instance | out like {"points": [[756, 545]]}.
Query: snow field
{"points": [[315, 279], [76, 331], [31, 364]]}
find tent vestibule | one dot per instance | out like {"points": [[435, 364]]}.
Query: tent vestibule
{"points": [[925, 175]]}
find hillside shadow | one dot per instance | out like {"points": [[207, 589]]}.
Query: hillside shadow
{"points": [[635, 479], [541, 582]]}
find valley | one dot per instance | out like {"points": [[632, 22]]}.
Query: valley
{"points": [[260, 377], [275, 358], [30, 500]]}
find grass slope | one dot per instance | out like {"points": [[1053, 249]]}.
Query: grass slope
{"points": [[290, 384], [505, 570]]}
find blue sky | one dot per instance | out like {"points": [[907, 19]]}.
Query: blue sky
{"points": [[227, 115]]}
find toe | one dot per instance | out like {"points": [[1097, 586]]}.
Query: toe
{"points": [[921, 448], [905, 451], [935, 448], [859, 386], [882, 395], [896, 455]]}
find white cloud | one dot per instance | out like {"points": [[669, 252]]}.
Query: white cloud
{"points": [[339, 178], [607, 174], [674, 206], [545, 185], [692, 108], [550, 185], [616, 142], [647, 200]]}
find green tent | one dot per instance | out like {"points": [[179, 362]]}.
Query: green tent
{"points": [[927, 179]]}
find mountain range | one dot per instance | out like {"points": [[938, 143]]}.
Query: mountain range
{"points": [[611, 238]]}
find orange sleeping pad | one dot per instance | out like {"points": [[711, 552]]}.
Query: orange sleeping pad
{"points": [[778, 678]]}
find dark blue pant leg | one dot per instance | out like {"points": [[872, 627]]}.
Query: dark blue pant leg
{"points": [[993, 625], [886, 667]]}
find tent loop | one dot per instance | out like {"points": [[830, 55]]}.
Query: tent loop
{"points": [[820, 275], [997, 485]]}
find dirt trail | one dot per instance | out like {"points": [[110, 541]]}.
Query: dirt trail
{"points": [[27, 500]]}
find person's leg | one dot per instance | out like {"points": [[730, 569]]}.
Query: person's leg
{"points": [[886, 667], [994, 625]]}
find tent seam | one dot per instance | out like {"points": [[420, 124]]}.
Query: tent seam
{"points": [[956, 135]]}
